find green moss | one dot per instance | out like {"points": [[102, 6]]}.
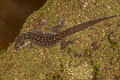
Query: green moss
{"points": [[113, 43], [3, 50]]}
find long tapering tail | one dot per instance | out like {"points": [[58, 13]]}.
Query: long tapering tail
{"points": [[83, 26]]}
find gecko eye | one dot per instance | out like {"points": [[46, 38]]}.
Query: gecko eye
{"points": [[19, 41]]}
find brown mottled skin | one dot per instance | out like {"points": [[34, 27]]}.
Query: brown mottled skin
{"points": [[49, 39]]}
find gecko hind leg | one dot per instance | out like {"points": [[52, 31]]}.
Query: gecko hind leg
{"points": [[65, 43], [57, 28]]}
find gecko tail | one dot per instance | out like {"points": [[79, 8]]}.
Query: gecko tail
{"points": [[85, 25]]}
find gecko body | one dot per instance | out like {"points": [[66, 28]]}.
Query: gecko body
{"points": [[49, 39]]}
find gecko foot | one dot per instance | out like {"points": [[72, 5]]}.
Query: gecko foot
{"points": [[65, 43]]}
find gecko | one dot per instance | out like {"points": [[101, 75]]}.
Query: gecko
{"points": [[45, 39]]}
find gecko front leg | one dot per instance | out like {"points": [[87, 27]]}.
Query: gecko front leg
{"points": [[39, 26]]}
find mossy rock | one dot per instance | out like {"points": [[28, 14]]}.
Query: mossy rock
{"points": [[93, 56]]}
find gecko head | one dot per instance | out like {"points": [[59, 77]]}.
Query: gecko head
{"points": [[19, 42]]}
